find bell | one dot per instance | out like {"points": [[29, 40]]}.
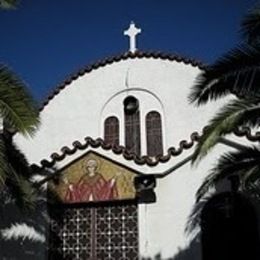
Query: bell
{"points": [[131, 105]]}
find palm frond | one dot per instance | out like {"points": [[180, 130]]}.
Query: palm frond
{"points": [[238, 112], [22, 190], [236, 72], [250, 26], [8, 4], [194, 219], [15, 173], [253, 190], [250, 177], [17, 230], [10, 213], [244, 163], [20, 241], [17, 107], [3, 162], [17, 159]]}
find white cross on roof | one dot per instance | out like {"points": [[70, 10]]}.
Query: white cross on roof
{"points": [[132, 31]]}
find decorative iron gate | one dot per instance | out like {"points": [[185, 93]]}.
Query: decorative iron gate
{"points": [[100, 232]]}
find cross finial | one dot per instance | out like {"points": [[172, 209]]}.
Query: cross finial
{"points": [[132, 31]]}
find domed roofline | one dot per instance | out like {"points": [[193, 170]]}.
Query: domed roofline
{"points": [[117, 58]]}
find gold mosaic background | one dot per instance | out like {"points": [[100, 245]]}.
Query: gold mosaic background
{"points": [[72, 174]]}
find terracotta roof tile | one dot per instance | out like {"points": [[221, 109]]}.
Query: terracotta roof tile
{"points": [[150, 161], [117, 149]]}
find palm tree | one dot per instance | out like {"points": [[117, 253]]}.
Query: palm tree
{"points": [[237, 74], [19, 114], [22, 233], [22, 218], [21, 211]]}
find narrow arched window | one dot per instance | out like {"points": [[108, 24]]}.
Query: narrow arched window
{"points": [[111, 130], [154, 134], [132, 125]]}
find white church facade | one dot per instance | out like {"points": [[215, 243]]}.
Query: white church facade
{"points": [[119, 135]]}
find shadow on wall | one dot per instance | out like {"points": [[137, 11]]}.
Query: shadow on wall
{"points": [[229, 228], [192, 252]]}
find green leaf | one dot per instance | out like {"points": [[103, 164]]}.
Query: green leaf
{"points": [[244, 163], [237, 72], [238, 112], [17, 107], [15, 175]]}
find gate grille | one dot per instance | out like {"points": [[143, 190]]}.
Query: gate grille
{"points": [[95, 233]]}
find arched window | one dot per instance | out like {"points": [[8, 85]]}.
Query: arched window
{"points": [[154, 134], [111, 130], [132, 125]]}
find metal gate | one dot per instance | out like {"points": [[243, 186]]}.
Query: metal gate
{"points": [[100, 232]]}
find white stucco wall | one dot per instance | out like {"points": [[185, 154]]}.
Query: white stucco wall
{"points": [[162, 224], [80, 109]]}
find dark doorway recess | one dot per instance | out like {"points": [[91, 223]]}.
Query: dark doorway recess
{"points": [[229, 228]]}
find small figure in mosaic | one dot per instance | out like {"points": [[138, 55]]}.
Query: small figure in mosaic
{"points": [[92, 186]]}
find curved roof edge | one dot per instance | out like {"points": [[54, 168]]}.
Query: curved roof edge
{"points": [[143, 160], [117, 58], [246, 132], [120, 150]]}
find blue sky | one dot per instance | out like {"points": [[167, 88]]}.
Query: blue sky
{"points": [[44, 41]]}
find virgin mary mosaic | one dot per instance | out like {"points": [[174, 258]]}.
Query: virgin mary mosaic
{"points": [[93, 178]]}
